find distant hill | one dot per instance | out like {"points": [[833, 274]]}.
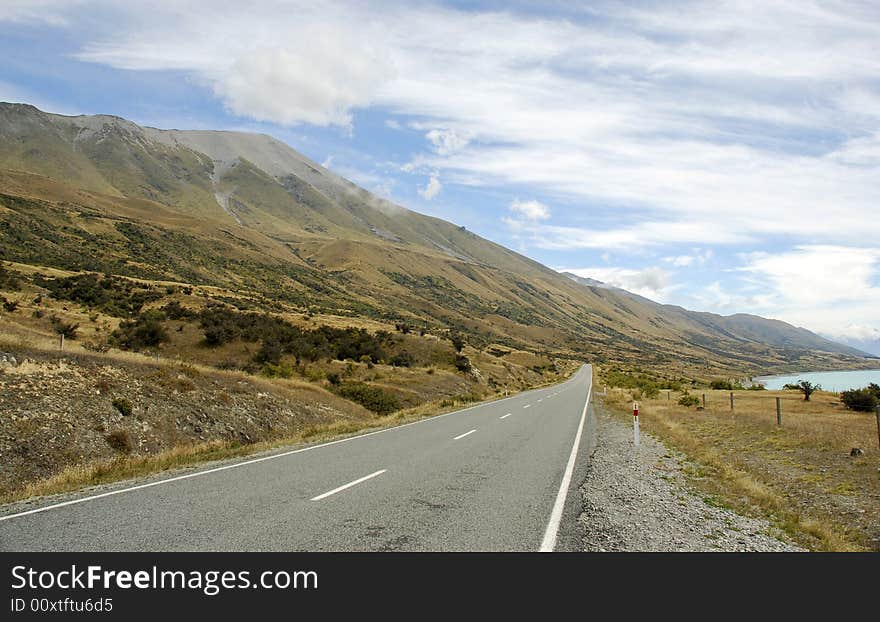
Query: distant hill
{"points": [[739, 326], [248, 213]]}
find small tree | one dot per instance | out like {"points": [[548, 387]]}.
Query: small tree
{"points": [[807, 388]]}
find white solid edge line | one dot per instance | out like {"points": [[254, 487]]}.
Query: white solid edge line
{"points": [[549, 541], [505, 416], [465, 434], [348, 485], [253, 460]]}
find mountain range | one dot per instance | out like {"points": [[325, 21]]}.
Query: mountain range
{"points": [[247, 213]]}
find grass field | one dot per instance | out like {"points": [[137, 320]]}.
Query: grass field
{"points": [[800, 474]]}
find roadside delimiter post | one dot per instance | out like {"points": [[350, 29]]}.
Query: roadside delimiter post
{"points": [[636, 424], [778, 411]]}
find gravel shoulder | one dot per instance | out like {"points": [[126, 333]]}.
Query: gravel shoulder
{"points": [[639, 500]]}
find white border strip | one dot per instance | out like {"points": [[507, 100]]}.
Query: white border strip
{"points": [[255, 460], [549, 541]]}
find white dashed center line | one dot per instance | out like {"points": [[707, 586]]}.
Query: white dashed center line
{"points": [[505, 416], [527, 406], [460, 436], [348, 485]]}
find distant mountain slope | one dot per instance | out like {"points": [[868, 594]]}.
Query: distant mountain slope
{"points": [[741, 326], [248, 213]]}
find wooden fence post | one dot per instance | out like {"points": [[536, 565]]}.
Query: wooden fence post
{"points": [[731, 401], [778, 411], [878, 425], [704, 401], [61, 344]]}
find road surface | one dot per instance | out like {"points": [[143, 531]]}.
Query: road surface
{"points": [[500, 476]]}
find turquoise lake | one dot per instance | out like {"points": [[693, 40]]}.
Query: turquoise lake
{"points": [[830, 380]]}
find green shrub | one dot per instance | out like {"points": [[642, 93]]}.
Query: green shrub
{"points": [[147, 331], [757, 387], [270, 352], [457, 341], [123, 406], [277, 371], [688, 400], [862, 400], [725, 385], [8, 280], [462, 363], [64, 328], [112, 295], [176, 311], [9, 305], [378, 400], [404, 359]]}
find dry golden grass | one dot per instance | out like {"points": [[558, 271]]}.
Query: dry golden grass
{"points": [[799, 475]]}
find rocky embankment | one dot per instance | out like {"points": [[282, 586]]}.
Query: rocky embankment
{"points": [[61, 411]]}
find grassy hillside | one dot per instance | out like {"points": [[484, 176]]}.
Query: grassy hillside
{"points": [[247, 213]]}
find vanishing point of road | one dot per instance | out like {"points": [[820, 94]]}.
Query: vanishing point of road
{"points": [[499, 476]]}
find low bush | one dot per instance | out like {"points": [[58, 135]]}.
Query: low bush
{"points": [[121, 441], [688, 400], [404, 359], [725, 385], [110, 294], [376, 399], [61, 327], [8, 280], [862, 400], [147, 331], [123, 406], [462, 363]]}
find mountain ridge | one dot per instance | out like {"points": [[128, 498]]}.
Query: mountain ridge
{"points": [[201, 205]]}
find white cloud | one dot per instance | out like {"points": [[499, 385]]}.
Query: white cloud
{"points": [[392, 124], [829, 289], [432, 189], [809, 275], [653, 282], [530, 210], [287, 63], [681, 261], [54, 12], [698, 257], [446, 141], [735, 122]]}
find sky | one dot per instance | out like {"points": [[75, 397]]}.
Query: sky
{"points": [[723, 156]]}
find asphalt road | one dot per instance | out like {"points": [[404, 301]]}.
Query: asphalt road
{"points": [[500, 476]]}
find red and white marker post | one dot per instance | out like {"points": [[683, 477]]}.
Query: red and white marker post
{"points": [[636, 424]]}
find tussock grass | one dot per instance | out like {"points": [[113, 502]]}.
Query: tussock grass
{"points": [[799, 475]]}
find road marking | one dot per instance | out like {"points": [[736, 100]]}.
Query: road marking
{"points": [[549, 541], [348, 485], [540, 399], [527, 406], [246, 462], [460, 436], [505, 416]]}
